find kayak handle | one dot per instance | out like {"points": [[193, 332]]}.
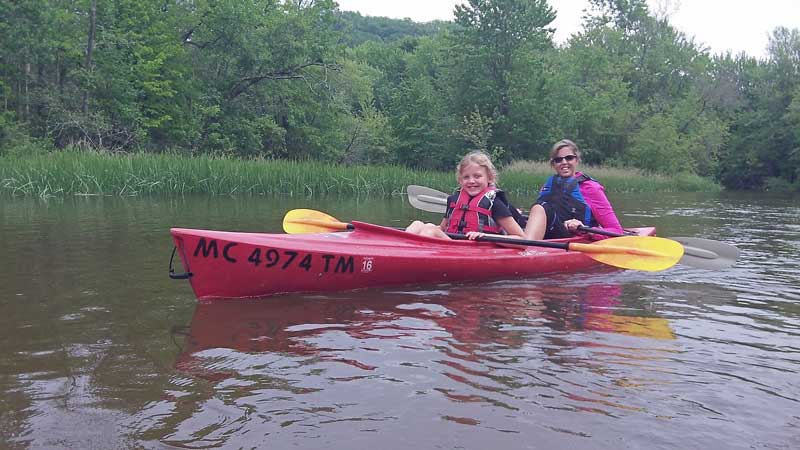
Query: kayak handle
{"points": [[172, 274]]}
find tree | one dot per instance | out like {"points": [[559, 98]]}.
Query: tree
{"points": [[420, 110], [264, 59], [496, 46], [763, 144]]}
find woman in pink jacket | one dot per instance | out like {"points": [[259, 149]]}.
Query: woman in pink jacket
{"points": [[569, 199]]}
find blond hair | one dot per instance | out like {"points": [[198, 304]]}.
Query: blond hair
{"points": [[481, 159]]}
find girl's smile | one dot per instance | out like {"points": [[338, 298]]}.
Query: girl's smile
{"points": [[474, 179]]}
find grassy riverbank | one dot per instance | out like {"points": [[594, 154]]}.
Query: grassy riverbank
{"points": [[89, 173]]}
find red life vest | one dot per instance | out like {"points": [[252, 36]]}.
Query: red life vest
{"points": [[474, 214]]}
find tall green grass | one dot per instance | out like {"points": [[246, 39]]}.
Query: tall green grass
{"points": [[90, 173], [526, 177]]}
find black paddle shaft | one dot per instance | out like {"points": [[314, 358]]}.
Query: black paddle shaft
{"points": [[505, 240]]}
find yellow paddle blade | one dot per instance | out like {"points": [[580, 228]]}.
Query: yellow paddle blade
{"points": [[650, 327], [634, 252], [304, 221]]}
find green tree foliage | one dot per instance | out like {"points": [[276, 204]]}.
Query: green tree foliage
{"points": [[497, 50], [658, 147], [423, 125], [299, 79], [358, 29], [590, 99], [367, 132], [764, 139], [261, 64]]}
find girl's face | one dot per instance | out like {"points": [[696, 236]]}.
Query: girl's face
{"points": [[474, 178], [565, 162]]}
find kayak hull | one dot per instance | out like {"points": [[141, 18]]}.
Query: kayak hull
{"points": [[231, 265]]}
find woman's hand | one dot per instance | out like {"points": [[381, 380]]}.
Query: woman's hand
{"points": [[573, 224], [472, 235]]}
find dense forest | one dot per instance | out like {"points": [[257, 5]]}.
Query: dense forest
{"points": [[301, 80]]}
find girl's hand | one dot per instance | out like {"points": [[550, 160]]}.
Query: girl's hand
{"points": [[472, 235], [573, 224]]}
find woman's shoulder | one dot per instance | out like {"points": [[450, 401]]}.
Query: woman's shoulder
{"points": [[586, 180]]}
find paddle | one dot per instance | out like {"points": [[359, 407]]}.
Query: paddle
{"points": [[427, 199], [700, 253], [628, 252], [304, 221], [697, 252]]}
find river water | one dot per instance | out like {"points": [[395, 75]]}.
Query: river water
{"points": [[101, 350]]}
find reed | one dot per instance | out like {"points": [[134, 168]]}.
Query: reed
{"points": [[91, 173], [526, 177]]}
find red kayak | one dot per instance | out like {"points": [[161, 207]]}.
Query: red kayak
{"points": [[228, 265]]}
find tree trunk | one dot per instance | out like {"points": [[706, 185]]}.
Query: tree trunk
{"points": [[89, 48], [27, 98]]}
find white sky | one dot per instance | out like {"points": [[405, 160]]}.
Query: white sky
{"points": [[721, 25]]}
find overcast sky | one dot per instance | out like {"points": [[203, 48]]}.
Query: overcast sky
{"points": [[720, 25]]}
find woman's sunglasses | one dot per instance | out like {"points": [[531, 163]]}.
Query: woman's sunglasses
{"points": [[558, 159]]}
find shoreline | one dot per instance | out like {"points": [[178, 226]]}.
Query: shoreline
{"points": [[88, 173]]}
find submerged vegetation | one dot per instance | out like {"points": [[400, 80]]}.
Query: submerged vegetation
{"points": [[94, 173]]}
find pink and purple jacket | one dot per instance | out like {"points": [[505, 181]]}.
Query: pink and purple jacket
{"points": [[595, 196]]}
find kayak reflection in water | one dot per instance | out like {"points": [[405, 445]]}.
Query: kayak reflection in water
{"points": [[334, 329], [569, 199], [476, 208]]}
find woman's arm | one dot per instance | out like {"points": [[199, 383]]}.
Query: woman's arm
{"points": [[595, 196]]}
